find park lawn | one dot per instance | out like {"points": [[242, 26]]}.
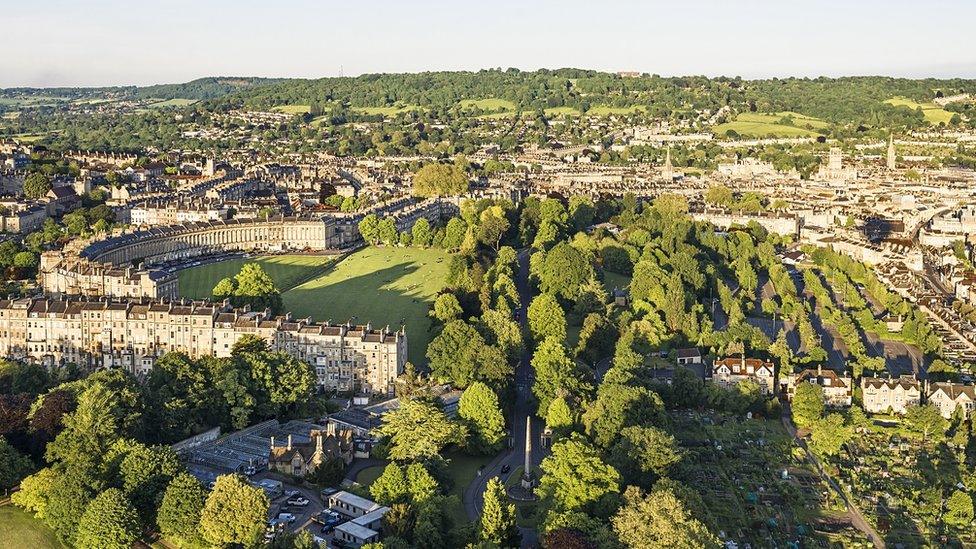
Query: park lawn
{"points": [[368, 475], [175, 102], [934, 114], [293, 109], [560, 111], [489, 104], [762, 129], [799, 120], [391, 110], [606, 110], [287, 271], [380, 285], [19, 529]]}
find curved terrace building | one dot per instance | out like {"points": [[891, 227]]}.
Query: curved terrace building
{"points": [[133, 264]]}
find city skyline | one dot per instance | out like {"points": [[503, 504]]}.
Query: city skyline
{"points": [[109, 43]]}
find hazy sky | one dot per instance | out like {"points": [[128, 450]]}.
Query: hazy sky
{"points": [[108, 42]]}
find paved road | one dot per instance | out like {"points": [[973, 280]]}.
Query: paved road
{"points": [[473, 497], [857, 518]]}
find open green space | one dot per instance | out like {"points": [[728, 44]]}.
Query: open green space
{"points": [[562, 111], [293, 109], [18, 529], [287, 271], [751, 124], [391, 110], [934, 114], [607, 110], [175, 102], [489, 104], [380, 285]]}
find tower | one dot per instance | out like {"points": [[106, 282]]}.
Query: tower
{"points": [[667, 172], [891, 152], [527, 481]]}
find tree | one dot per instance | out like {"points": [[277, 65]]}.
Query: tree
{"points": [[460, 354], [546, 319], [423, 236], [479, 409], [925, 420], [644, 450], [559, 417], [234, 513], [492, 227], [36, 185], [808, 404], [454, 233], [13, 465], [67, 500], [446, 308], [555, 373], [618, 406], [498, 525], [388, 231], [575, 475], [35, 491], [25, 260], [719, 195], [418, 430], [179, 513], [109, 522], [255, 287], [437, 179], [959, 510], [421, 484], [659, 521], [224, 289], [390, 487], [369, 229], [564, 270], [829, 435], [145, 472]]}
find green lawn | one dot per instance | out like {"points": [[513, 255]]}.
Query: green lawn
{"points": [[380, 285], [20, 530], [366, 477], [606, 110], [176, 102], [756, 124], [490, 104], [934, 114], [287, 271], [560, 111], [292, 109], [386, 111], [614, 280]]}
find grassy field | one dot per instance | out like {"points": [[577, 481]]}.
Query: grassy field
{"points": [[286, 270], [766, 125], [490, 104], [561, 111], [293, 109], [607, 110], [177, 102], [379, 285], [18, 529], [392, 110], [934, 114]]}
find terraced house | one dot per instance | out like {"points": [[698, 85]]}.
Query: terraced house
{"points": [[132, 334]]}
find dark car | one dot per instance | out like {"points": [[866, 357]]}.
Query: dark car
{"points": [[506, 469]]}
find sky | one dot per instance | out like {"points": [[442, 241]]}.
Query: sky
{"points": [[139, 42]]}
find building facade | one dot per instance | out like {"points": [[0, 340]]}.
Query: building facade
{"points": [[131, 335], [732, 371], [880, 395]]}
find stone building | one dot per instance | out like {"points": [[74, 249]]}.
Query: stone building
{"points": [[132, 334], [880, 395], [732, 371]]}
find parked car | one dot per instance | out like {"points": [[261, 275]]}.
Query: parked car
{"points": [[292, 493], [326, 517], [287, 517], [506, 469], [298, 501]]}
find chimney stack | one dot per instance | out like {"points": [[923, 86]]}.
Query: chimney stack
{"points": [[272, 443], [289, 442]]}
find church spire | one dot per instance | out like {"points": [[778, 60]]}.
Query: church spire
{"points": [[891, 151]]}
